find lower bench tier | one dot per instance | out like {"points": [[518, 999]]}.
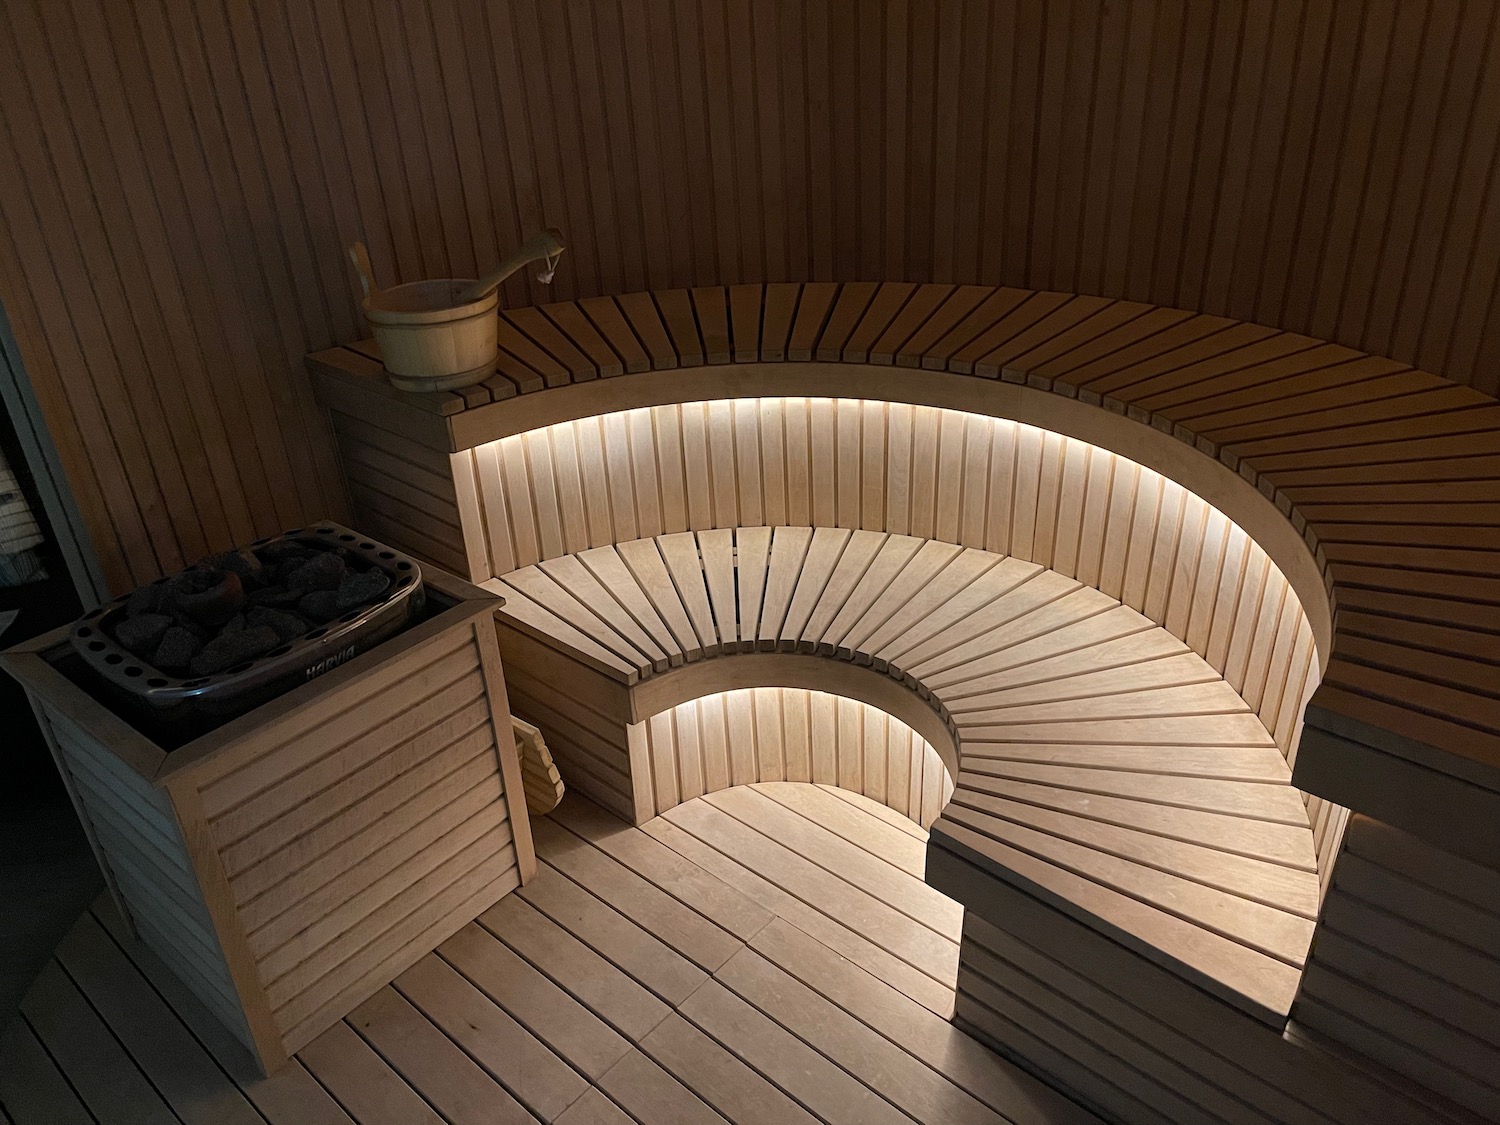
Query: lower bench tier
{"points": [[1094, 759]]}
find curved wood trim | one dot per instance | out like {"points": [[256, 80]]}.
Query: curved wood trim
{"points": [[732, 672], [1385, 478], [1214, 481]]}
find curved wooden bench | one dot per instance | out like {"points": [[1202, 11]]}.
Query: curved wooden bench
{"points": [[1372, 485], [1100, 765]]}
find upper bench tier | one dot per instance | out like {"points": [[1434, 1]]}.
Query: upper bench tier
{"points": [[1375, 487]]}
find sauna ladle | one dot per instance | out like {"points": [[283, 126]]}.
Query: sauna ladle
{"points": [[361, 259], [548, 246]]}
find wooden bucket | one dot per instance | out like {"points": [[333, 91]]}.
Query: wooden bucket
{"points": [[427, 340]]}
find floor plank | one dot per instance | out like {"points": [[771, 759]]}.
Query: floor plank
{"points": [[105, 1078], [594, 1108], [719, 1078], [928, 1037], [839, 857], [649, 907], [601, 986], [783, 1058], [652, 962], [892, 843], [539, 1079], [291, 1096], [654, 1097], [572, 1001], [832, 932], [364, 1084], [899, 1077], [32, 1087], [930, 953], [450, 1081], [684, 881], [181, 1071], [541, 1005]]}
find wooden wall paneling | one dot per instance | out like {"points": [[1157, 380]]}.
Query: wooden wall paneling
{"points": [[690, 749], [910, 470], [1294, 172]]}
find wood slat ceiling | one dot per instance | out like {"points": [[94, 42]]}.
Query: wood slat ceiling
{"points": [[177, 181]]}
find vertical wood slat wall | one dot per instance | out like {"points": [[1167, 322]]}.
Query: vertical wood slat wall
{"points": [[177, 181], [789, 734], [970, 479]]}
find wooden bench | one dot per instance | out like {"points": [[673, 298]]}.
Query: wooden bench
{"points": [[1099, 763], [1374, 486]]}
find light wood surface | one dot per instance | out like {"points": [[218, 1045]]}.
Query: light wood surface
{"points": [[1350, 495], [1403, 968], [1139, 1042], [790, 734], [166, 268], [544, 785], [551, 1005], [292, 861], [1104, 766]]}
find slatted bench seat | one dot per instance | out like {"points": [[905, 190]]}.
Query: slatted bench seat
{"points": [[1099, 764], [1372, 485]]}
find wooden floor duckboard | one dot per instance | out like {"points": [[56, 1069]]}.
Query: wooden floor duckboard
{"points": [[763, 954]]}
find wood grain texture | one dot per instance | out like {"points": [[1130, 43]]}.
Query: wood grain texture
{"points": [[1356, 498], [546, 1002], [1097, 762], [790, 734], [289, 862], [1139, 1044], [191, 175], [135, 832], [978, 482], [1403, 967]]}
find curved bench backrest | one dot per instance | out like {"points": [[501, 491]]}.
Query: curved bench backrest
{"points": [[1358, 475]]}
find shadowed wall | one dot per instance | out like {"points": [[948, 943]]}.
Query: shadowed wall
{"points": [[177, 181]]}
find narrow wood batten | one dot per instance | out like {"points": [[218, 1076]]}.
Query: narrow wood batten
{"points": [[944, 474], [1139, 1043], [1369, 483], [789, 734], [941, 474]]}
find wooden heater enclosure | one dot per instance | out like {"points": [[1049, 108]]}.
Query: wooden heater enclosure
{"points": [[293, 861]]}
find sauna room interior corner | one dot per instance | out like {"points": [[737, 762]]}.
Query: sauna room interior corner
{"points": [[719, 561]]}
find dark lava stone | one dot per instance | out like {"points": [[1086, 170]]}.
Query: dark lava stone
{"points": [[274, 596], [148, 599], [229, 649], [320, 606], [285, 549], [209, 597], [143, 632], [288, 626], [243, 563], [358, 589], [177, 649], [320, 573], [233, 625]]}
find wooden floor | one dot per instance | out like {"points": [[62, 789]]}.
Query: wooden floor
{"points": [[765, 954], [1105, 767]]}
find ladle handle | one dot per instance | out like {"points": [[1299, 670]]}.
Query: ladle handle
{"points": [[361, 259], [547, 244]]}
